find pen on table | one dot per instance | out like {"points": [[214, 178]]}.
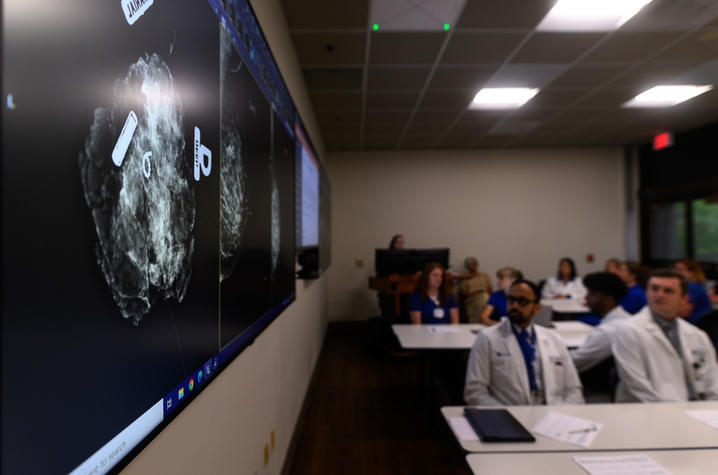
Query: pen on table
{"points": [[588, 429]]}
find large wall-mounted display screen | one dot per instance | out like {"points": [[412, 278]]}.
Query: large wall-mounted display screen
{"points": [[307, 190], [148, 155]]}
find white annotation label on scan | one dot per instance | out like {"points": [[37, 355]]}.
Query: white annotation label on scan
{"points": [[134, 9]]}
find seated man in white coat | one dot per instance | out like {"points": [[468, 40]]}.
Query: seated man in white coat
{"points": [[517, 363], [605, 290], [660, 357]]}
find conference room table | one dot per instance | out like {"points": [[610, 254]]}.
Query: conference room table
{"points": [[462, 336], [626, 427], [677, 462]]}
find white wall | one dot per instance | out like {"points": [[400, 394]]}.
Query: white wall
{"points": [[525, 208], [226, 428]]}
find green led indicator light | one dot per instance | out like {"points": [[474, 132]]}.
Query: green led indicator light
{"points": [[446, 27], [375, 27]]}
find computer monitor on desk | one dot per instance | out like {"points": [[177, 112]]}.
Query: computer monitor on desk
{"points": [[407, 261]]}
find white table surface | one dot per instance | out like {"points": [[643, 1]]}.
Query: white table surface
{"points": [[630, 426], [565, 305], [462, 336], [678, 462]]}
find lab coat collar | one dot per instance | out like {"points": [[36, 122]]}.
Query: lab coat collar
{"points": [[656, 331]]}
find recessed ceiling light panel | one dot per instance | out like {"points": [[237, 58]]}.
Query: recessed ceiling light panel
{"points": [[590, 15], [666, 96], [502, 97]]}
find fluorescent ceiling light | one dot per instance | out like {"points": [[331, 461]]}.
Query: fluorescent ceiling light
{"points": [[666, 96], [590, 15], [502, 97]]}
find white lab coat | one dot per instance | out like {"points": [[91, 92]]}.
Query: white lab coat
{"points": [[650, 369], [496, 372], [554, 287], [597, 346]]}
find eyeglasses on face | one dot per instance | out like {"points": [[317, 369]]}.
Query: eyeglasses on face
{"points": [[522, 301]]}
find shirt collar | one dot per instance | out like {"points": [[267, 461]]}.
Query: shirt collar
{"points": [[663, 323], [529, 330]]}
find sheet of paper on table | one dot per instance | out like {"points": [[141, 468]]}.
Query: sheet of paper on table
{"points": [[462, 429], [706, 416], [638, 464], [565, 428]]}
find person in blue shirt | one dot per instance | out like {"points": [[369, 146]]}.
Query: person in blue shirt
{"points": [[496, 306], [699, 304], [631, 274], [433, 301]]}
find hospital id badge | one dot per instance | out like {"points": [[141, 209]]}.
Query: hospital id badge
{"points": [[439, 312]]}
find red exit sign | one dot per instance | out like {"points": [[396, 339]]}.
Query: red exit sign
{"points": [[662, 141]]}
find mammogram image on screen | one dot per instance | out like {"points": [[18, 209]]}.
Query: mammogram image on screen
{"points": [[140, 191], [232, 174]]}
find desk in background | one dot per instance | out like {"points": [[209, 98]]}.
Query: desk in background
{"points": [[678, 462], [462, 336], [631, 426]]}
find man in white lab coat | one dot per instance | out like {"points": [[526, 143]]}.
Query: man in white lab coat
{"points": [[517, 363], [605, 290], [660, 356]]}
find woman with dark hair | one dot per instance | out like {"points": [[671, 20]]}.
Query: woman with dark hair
{"points": [[433, 301], [566, 284], [699, 304], [397, 242]]}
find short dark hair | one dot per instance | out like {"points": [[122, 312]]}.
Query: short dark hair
{"points": [[671, 274], [533, 286], [606, 283]]}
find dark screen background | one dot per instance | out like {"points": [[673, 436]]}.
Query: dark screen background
{"points": [[74, 371]]}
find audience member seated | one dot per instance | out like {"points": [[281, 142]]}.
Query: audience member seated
{"points": [[518, 363], [433, 302], [604, 292], [632, 275], [699, 304], [496, 306], [566, 284], [475, 290], [613, 265], [397, 242], [661, 357]]}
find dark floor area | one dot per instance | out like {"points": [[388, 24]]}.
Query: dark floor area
{"points": [[366, 413]]}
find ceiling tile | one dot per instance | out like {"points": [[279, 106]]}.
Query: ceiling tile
{"points": [[405, 48], [699, 46], [330, 48], [555, 47], [326, 14], [504, 13], [389, 100], [440, 117], [532, 113], [324, 100], [389, 79], [338, 117], [526, 75], [446, 100], [650, 74], [587, 76], [333, 79], [606, 98], [461, 78], [390, 116], [493, 141], [485, 116], [554, 98], [466, 48], [513, 127], [672, 15], [631, 47], [379, 128], [381, 141]]}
